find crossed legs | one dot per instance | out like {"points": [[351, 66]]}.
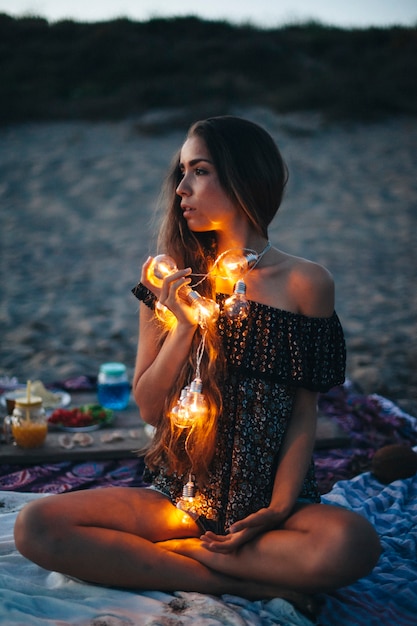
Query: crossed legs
{"points": [[135, 538]]}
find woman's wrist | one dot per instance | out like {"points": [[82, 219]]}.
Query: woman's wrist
{"points": [[282, 506], [185, 328]]}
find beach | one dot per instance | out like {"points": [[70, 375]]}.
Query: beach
{"points": [[78, 207]]}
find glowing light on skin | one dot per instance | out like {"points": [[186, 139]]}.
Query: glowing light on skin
{"points": [[165, 315]]}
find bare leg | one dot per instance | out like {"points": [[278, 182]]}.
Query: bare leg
{"points": [[319, 548], [107, 536]]}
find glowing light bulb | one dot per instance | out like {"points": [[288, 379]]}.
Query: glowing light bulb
{"points": [[237, 307], [187, 501], [207, 310], [194, 406], [234, 265], [160, 267], [177, 414]]}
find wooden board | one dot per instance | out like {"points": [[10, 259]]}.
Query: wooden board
{"points": [[127, 423]]}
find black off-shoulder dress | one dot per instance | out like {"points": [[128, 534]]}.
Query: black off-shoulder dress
{"points": [[269, 355]]}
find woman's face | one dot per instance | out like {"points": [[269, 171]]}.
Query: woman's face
{"points": [[204, 202]]}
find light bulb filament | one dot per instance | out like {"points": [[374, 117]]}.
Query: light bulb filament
{"points": [[237, 307], [207, 310], [187, 502]]}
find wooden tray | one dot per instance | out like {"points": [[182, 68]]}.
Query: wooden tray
{"points": [[127, 423]]}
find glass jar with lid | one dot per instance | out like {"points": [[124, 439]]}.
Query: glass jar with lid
{"points": [[113, 388], [29, 426]]}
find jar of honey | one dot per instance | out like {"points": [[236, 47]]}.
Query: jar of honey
{"points": [[28, 424]]}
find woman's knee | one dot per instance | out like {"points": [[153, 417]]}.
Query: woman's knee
{"points": [[36, 529], [350, 550]]}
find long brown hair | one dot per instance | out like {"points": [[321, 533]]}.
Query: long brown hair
{"points": [[253, 174]]}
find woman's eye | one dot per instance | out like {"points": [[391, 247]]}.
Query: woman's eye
{"points": [[200, 172]]}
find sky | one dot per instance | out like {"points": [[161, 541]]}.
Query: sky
{"points": [[264, 13]]}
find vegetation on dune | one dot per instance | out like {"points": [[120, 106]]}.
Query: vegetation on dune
{"points": [[110, 70]]}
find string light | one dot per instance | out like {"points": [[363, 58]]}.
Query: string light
{"points": [[187, 501], [194, 406], [207, 310], [191, 407], [232, 264], [177, 414], [237, 307], [160, 267]]}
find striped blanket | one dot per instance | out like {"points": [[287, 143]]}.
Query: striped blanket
{"points": [[389, 594]]}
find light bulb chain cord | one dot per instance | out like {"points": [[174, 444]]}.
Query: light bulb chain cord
{"points": [[217, 261], [260, 256], [200, 352], [199, 356], [204, 276], [187, 451]]}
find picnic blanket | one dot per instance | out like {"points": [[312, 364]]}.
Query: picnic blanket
{"points": [[31, 596]]}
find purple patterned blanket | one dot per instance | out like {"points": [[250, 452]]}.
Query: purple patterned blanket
{"points": [[370, 421]]}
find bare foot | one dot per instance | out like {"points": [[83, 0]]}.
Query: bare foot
{"points": [[192, 547], [252, 590]]}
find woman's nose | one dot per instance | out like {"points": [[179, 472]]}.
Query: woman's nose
{"points": [[182, 188]]}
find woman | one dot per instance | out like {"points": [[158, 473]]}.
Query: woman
{"points": [[256, 526]]}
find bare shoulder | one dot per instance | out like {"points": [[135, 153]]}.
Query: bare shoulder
{"points": [[311, 286]]}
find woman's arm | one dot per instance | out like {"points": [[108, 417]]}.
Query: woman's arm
{"points": [[312, 287], [157, 367], [296, 452]]}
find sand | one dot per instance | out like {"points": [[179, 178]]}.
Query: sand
{"points": [[76, 222]]}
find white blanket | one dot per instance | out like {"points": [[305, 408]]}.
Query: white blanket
{"points": [[32, 596]]}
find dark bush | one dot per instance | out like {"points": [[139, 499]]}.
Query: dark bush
{"points": [[114, 69]]}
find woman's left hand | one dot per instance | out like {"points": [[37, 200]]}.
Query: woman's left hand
{"points": [[243, 531]]}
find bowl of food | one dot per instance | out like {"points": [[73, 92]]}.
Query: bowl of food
{"points": [[51, 398], [83, 418]]}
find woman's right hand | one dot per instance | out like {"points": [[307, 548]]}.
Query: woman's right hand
{"points": [[173, 293]]}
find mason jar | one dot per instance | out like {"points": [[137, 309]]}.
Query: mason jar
{"points": [[29, 426], [113, 388]]}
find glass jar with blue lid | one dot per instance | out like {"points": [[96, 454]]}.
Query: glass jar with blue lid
{"points": [[113, 387]]}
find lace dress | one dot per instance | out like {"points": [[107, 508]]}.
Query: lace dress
{"points": [[269, 355]]}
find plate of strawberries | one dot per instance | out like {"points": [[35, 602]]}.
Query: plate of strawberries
{"points": [[81, 419]]}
